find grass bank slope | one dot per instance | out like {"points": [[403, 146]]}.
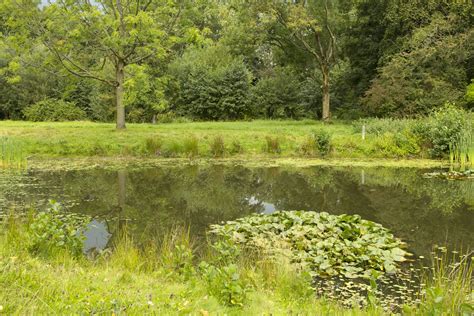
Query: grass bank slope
{"points": [[303, 139]]}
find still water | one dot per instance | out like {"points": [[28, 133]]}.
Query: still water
{"points": [[423, 212]]}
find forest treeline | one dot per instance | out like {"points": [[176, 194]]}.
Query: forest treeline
{"points": [[146, 60]]}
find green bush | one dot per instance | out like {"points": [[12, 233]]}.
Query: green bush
{"points": [[445, 127], [210, 84], [52, 110], [53, 229], [323, 141], [276, 96]]}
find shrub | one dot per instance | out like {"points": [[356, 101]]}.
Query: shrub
{"points": [[53, 229], [276, 96], [323, 141], [218, 147], [272, 145], [210, 84], [53, 110], [445, 128]]}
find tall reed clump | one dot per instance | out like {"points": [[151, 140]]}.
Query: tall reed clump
{"points": [[218, 149], [12, 154], [272, 145], [449, 285], [461, 152], [191, 147]]}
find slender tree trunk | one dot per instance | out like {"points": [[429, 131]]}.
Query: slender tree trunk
{"points": [[326, 110], [119, 77]]}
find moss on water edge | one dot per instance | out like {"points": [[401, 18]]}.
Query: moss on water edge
{"points": [[58, 164]]}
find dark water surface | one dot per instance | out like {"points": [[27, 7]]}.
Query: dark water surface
{"points": [[423, 212]]}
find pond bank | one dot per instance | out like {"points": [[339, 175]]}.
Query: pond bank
{"points": [[242, 140], [134, 162], [170, 277]]}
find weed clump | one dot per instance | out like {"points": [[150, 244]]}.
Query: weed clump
{"points": [[236, 147], [153, 145], [54, 229], [218, 149], [191, 147], [272, 145]]}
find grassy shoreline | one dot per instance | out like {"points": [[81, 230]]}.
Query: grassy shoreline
{"points": [[166, 278], [241, 140]]}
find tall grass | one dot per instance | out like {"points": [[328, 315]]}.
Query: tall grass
{"points": [[165, 277], [11, 153], [461, 153], [449, 284]]}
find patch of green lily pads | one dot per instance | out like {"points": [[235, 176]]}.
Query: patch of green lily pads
{"points": [[329, 245], [451, 175]]}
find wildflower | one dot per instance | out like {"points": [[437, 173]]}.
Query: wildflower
{"points": [[150, 303]]}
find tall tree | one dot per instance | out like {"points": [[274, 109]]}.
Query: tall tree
{"points": [[99, 39], [312, 25]]}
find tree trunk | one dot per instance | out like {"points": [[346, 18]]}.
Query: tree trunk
{"points": [[119, 77], [326, 110]]}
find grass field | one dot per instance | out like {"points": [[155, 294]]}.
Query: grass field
{"points": [[206, 139]]}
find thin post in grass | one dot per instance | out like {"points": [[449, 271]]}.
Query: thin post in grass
{"points": [[363, 132]]}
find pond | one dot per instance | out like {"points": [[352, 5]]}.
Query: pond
{"points": [[422, 212]]}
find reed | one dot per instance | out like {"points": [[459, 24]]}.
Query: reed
{"points": [[448, 285], [12, 155], [461, 152]]}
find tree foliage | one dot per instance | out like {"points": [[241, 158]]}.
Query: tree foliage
{"points": [[205, 59]]}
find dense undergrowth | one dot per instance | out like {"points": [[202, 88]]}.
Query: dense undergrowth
{"points": [[42, 273]]}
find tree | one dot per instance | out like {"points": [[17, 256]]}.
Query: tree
{"points": [[100, 39], [311, 25]]}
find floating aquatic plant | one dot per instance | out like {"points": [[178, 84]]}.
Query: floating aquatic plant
{"points": [[329, 245], [451, 175]]}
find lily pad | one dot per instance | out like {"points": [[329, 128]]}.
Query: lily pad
{"points": [[329, 245]]}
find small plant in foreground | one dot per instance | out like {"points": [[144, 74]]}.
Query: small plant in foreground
{"points": [[176, 252], [225, 283], [218, 147], [54, 229], [449, 288]]}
